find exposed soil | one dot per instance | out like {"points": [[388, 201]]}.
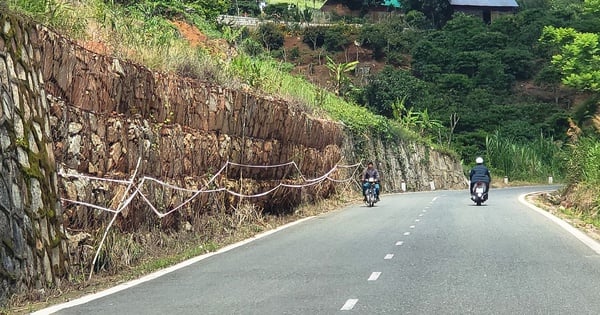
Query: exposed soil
{"points": [[311, 64], [191, 33]]}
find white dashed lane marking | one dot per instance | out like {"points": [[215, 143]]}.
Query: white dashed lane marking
{"points": [[374, 276], [349, 305]]}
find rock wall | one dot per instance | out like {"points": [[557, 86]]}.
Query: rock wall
{"points": [[405, 164], [65, 108], [32, 252]]}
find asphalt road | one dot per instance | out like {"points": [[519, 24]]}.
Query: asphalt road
{"points": [[414, 253]]}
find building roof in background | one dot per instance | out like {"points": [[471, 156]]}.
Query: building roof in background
{"points": [[393, 3], [486, 3]]}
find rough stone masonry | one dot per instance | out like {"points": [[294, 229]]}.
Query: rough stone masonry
{"points": [[32, 247]]}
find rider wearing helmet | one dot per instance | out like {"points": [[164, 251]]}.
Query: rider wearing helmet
{"points": [[370, 172], [480, 173]]}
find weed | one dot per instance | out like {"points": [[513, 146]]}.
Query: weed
{"points": [[534, 161]]}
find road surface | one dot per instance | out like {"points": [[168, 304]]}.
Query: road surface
{"points": [[414, 253]]}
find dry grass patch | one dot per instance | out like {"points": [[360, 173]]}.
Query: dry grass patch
{"points": [[554, 203]]}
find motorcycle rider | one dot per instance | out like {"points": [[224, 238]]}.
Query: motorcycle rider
{"points": [[369, 172], [480, 173]]}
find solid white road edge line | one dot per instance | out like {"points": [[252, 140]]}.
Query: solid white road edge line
{"points": [[590, 242], [349, 305], [154, 275]]}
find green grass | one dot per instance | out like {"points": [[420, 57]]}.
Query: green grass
{"points": [[163, 262], [273, 78], [532, 162]]}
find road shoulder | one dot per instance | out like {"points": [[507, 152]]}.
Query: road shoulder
{"points": [[585, 232]]}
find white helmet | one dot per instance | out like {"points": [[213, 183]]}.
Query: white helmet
{"points": [[479, 160]]}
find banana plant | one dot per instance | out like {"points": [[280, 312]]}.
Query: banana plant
{"points": [[406, 117], [232, 35], [426, 123], [338, 73]]}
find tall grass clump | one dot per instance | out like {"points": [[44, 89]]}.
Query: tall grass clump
{"points": [[583, 169], [583, 165], [62, 15], [534, 161]]}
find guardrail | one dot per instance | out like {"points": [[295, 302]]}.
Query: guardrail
{"points": [[252, 21]]}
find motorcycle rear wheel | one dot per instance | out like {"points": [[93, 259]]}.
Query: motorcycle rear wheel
{"points": [[370, 198]]}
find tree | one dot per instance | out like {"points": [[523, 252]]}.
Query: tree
{"points": [[270, 35], [244, 6], [461, 30], [416, 19], [436, 11], [549, 76], [518, 62], [360, 4], [208, 9], [490, 73], [390, 85], [578, 58], [430, 58], [314, 35], [374, 37], [337, 37], [455, 84], [591, 6]]}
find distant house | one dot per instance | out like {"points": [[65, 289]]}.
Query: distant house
{"points": [[486, 9]]}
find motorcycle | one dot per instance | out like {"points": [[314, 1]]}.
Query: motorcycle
{"points": [[478, 195], [370, 193]]}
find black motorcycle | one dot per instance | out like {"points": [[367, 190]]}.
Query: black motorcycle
{"points": [[370, 193], [479, 194]]}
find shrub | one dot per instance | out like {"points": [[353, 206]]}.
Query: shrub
{"points": [[314, 36], [252, 47], [337, 37], [271, 36]]}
